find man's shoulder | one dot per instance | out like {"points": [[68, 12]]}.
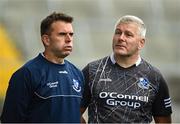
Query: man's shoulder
{"points": [[100, 61], [71, 65], [33, 64], [33, 61], [151, 69]]}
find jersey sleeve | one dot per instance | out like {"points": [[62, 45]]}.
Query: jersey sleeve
{"points": [[86, 94], [17, 97], [162, 103]]}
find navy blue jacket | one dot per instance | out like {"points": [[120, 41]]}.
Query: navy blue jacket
{"points": [[42, 91]]}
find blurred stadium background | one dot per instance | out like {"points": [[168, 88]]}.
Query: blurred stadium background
{"points": [[93, 26]]}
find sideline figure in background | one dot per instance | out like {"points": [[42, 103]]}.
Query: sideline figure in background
{"points": [[123, 87], [48, 88]]}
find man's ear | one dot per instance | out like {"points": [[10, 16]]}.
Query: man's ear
{"points": [[141, 43], [45, 40]]}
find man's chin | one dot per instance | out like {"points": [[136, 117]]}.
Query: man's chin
{"points": [[122, 53], [66, 54]]}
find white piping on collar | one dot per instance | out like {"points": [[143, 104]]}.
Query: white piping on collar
{"points": [[114, 61], [42, 54]]}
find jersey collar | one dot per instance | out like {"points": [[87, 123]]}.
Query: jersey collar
{"points": [[42, 54], [114, 61]]}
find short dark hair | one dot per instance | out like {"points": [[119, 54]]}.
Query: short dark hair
{"points": [[46, 23]]}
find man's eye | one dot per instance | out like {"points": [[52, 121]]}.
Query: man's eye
{"points": [[63, 33], [129, 34], [117, 32], [71, 34]]}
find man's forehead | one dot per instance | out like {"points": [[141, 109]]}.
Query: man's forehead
{"points": [[62, 26], [127, 26]]}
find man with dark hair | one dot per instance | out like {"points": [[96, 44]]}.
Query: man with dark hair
{"points": [[48, 88], [123, 87]]}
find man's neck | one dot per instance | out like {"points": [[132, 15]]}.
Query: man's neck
{"points": [[52, 58], [126, 61]]}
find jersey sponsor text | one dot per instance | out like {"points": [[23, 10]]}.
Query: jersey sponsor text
{"points": [[115, 99]]}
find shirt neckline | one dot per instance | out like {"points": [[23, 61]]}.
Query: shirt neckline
{"points": [[114, 61]]}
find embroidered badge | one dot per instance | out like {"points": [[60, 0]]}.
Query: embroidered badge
{"points": [[76, 86], [143, 83]]}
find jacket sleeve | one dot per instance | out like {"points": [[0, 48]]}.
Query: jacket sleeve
{"points": [[17, 98]]}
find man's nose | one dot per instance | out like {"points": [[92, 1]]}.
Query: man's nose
{"points": [[122, 36], [69, 37]]}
